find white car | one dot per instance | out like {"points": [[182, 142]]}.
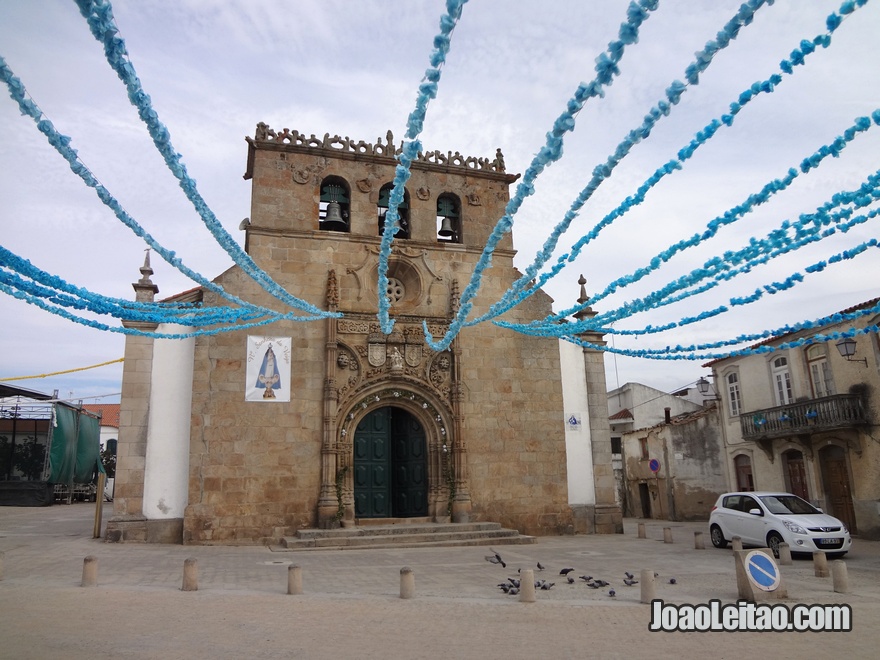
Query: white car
{"points": [[767, 519]]}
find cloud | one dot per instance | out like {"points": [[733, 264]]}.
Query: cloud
{"points": [[215, 69]]}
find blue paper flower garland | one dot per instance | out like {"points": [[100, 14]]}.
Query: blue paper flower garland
{"points": [[99, 15], [410, 150], [515, 295], [606, 69], [22, 280]]}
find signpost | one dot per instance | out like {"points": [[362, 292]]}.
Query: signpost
{"points": [[758, 578], [762, 571]]}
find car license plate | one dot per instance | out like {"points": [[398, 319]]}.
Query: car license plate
{"points": [[828, 541]]}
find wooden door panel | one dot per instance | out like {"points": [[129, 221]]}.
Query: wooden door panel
{"points": [[410, 485], [372, 484], [837, 486]]}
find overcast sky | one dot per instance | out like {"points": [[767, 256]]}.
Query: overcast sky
{"points": [[214, 69]]}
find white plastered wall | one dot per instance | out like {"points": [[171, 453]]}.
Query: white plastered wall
{"points": [[578, 450], [166, 471]]}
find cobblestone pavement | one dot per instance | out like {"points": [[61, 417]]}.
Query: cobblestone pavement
{"points": [[350, 606]]}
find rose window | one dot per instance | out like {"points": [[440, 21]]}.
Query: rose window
{"points": [[396, 290]]}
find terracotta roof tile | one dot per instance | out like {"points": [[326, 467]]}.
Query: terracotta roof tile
{"points": [[109, 412]]}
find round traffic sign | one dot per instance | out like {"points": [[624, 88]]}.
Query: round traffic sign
{"points": [[762, 571], [654, 465]]}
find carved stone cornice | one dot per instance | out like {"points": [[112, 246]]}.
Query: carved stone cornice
{"points": [[344, 147]]}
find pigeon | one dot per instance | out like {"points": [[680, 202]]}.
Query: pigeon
{"points": [[630, 583], [514, 582], [629, 576], [547, 586], [601, 583], [612, 593], [671, 580], [587, 578], [566, 571], [570, 579], [504, 587], [495, 558], [540, 566], [513, 591], [592, 585]]}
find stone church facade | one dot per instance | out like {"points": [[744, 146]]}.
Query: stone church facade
{"points": [[373, 425]]}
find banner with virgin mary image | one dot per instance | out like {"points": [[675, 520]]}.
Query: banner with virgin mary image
{"points": [[268, 369]]}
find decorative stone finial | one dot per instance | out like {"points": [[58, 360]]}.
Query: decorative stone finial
{"points": [[587, 311], [144, 289]]}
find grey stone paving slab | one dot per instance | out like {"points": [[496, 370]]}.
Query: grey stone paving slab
{"points": [[350, 606]]}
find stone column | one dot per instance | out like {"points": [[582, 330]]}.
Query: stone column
{"points": [[328, 502], [608, 516], [128, 521], [461, 503]]}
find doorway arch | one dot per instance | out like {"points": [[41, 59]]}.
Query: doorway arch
{"points": [[390, 461], [425, 426]]}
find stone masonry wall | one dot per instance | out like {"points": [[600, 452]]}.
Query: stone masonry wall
{"points": [[255, 468]]}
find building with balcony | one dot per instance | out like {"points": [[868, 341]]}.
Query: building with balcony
{"points": [[801, 416]]}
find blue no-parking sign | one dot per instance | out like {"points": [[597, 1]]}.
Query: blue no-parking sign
{"points": [[654, 465], [762, 571]]}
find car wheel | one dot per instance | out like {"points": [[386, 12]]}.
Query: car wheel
{"points": [[717, 536], [773, 541]]}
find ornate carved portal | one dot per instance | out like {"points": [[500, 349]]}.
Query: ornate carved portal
{"points": [[367, 371]]}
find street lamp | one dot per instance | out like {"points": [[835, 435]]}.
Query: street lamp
{"points": [[707, 390], [847, 348]]}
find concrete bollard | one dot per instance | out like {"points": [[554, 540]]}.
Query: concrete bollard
{"points": [[407, 582], [190, 574], [294, 580], [699, 544], [647, 582], [667, 534], [642, 531], [90, 572], [736, 543], [527, 586], [784, 554], [839, 577], [820, 564]]}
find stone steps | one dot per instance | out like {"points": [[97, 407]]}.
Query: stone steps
{"points": [[404, 534]]}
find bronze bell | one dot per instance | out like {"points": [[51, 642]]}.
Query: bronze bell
{"points": [[446, 229], [334, 220]]}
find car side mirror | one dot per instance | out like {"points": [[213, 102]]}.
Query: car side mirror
{"points": [[756, 512]]}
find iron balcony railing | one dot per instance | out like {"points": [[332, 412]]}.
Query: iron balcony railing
{"points": [[825, 414]]}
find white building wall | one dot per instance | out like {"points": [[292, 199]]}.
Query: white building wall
{"points": [[166, 470], [578, 451]]}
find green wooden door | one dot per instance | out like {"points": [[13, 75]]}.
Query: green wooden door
{"points": [[410, 476], [372, 466], [390, 466]]}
